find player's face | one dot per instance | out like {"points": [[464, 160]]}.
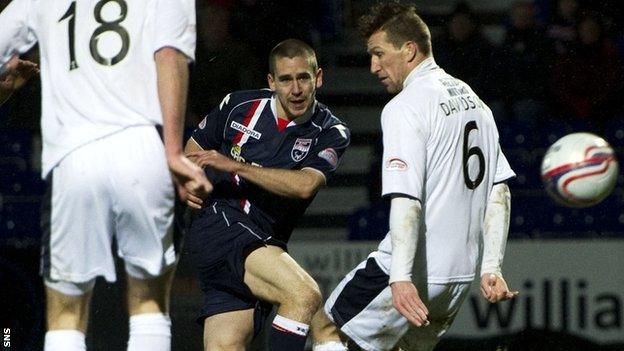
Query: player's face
{"points": [[295, 84], [388, 63]]}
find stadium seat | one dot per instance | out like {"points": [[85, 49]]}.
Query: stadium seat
{"points": [[18, 182], [20, 219], [16, 143]]}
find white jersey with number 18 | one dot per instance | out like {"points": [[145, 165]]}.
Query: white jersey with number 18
{"points": [[441, 147], [98, 73]]}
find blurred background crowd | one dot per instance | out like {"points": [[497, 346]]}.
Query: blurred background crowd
{"points": [[545, 68]]}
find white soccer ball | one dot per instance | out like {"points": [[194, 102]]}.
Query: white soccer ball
{"points": [[579, 170]]}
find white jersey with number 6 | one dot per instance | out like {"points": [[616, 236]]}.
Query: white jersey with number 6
{"points": [[441, 147], [97, 62]]}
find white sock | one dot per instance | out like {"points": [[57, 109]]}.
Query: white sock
{"points": [[150, 331], [290, 325], [329, 346], [65, 340]]}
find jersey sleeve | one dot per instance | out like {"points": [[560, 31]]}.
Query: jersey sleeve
{"points": [[327, 153], [503, 169], [176, 26], [16, 36], [405, 151], [209, 132]]}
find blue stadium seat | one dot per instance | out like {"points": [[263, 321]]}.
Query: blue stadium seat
{"points": [[19, 219], [614, 132], [21, 182], [370, 223], [16, 143], [514, 134]]}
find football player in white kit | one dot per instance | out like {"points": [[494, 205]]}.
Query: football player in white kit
{"points": [[445, 172], [111, 71]]}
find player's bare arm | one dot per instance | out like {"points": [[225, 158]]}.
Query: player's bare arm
{"points": [[496, 226], [172, 71], [14, 75], [405, 216], [302, 184]]}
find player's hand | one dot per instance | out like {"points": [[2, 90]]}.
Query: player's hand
{"points": [[191, 181], [17, 73], [494, 288], [215, 160], [406, 300]]}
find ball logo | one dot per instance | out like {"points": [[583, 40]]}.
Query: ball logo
{"points": [[396, 164], [300, 149]]}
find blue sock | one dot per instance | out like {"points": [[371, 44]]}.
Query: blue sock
{"points": [[288, 335]]}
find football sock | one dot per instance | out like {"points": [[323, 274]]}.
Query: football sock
{"points": [[65, 340], [150, 331], [329, 346], [288, 335]]}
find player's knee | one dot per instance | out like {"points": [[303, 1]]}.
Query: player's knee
{"points": [[149, 295], [224, 343], [307, 297]]}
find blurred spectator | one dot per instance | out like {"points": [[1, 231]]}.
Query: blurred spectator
{"points": [[527, 57], [23, 109], [465, 53], [587, 80], [562, 27], [223, 63], [371, 222], [264, 23]]}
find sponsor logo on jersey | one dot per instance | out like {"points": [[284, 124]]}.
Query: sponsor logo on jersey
{"points": [[330, 156], [300, 149], [202, 124], [396, 164], [241, 128]]}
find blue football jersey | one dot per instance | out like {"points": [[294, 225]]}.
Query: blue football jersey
{"points": [[245, 127]]}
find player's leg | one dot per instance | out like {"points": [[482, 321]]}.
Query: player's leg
{"points": [[235, 337], [67, 314], [144, 222], [325, 333], [444, 301], [148, 306], [76, 242], [274, 276], [361, 307]]}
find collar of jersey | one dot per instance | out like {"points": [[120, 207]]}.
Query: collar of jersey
{"points": [[427, 65], [296, 121]]}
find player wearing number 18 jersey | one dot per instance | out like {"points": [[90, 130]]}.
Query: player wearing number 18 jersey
{"points": [[443, 168], [111, 71]]}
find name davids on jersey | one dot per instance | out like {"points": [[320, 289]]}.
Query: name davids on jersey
{"points": [[460, 103]]}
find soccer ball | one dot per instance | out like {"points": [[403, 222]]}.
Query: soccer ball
{"points": [[579, 170]]}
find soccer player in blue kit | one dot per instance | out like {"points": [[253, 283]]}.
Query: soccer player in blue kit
{"points": [[266, 152]]}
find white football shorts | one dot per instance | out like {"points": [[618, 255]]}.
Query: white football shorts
{"points": [[118, 187], [361, 306]]}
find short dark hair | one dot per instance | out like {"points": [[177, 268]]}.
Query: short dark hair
{"points": [[292, 48], [400, 22]]}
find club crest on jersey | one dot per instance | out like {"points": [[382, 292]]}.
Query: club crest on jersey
{"points": [[300, 149], [396, 164], [241, 128]]}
